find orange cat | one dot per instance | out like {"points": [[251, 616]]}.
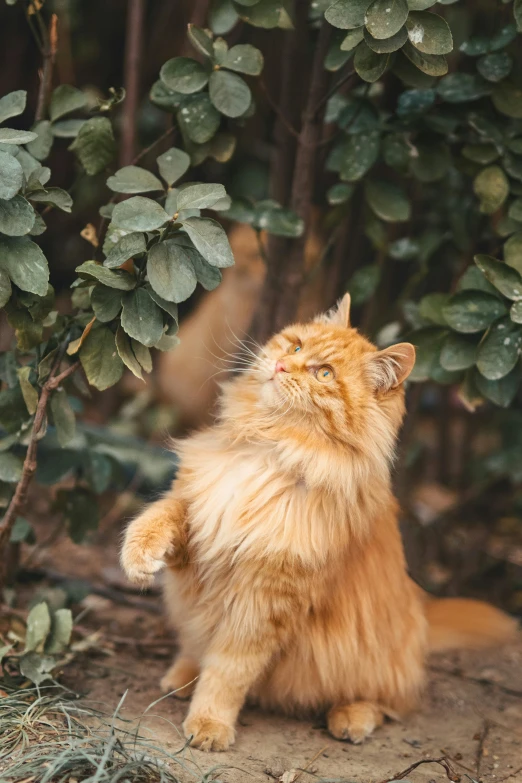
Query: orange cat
{"points": [[286, 577]]}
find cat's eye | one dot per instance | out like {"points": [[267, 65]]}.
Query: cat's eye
{"points": [[295, 348], [324, 374]]}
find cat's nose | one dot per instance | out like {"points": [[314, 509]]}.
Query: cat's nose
{"points": [[280, 367]]}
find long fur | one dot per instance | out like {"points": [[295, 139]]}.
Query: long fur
{"points": [[286, 577]]}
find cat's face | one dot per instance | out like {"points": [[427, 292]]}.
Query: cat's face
{"points": [[327, 373]]}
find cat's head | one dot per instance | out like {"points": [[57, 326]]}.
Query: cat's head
{"points": [[324, 375]]}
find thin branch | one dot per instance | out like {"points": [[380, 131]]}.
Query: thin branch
{"points": [[29, 467], [50, 48], [443, 761], [133, 52], [277, 109]]}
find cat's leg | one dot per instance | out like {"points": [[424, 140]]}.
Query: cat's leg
{"points": [[155, 539], [355, 721], [181, 677]]}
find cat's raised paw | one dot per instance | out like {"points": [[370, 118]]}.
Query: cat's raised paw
{"points": [[208, 734], [354, 722]]}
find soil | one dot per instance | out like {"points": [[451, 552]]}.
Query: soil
{"points": [[471, 712]]}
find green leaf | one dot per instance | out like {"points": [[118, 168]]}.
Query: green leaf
{"points": [[171, 272], [410, 74], [25, 264], [10, 468], [141, 318], [81, 509], [41, 146], [12, 136], [198, 118], [432, 307], [515, 210], [99, 357], [201, 40], [363, 283], [210, 240], [473, 311], [11, 176], [503, 277], [384, 18], [66, 99], [352, 38], [415, 102], [12, 104], [56, 197], [222, 17], [495, 67], [429, 33], [199, 196], [113, 278], [431, 64], [106, 303], [503, 38], [139, 214], [166, 99], [5, 288], [129, 246], [22, 531], [133, 179], [347, 14], [36, 667], [339, 193], [16, 217], [184, 75], [458, 353], [171, 307], [208, 276], [142, 354], [29, 393], [265, 13], [404, 249], [385, 45], [516, 312], [270, 216], [513, 166], [229, 93], [492, 188], [359, 154], [431, 163], [499, 350], [462, 87], [428, 344], [61, 630], [480, 153], [38, 627], [388, 201], [513, 251], [123, 344], [369, 65], [63, 417], [173, 164], [94, 145], [66, 129], [507, 99], [420, 5], [244, 58]]}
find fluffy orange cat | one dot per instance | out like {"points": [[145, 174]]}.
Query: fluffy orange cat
{"points": [[286, 578]]}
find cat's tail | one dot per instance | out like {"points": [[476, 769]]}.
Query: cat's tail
{"points": [[463, 622]]}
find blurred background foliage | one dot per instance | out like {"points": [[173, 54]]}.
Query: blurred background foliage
{"points": [[374, 147]]}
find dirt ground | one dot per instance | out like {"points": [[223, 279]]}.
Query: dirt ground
{"points": [[471, 712]]}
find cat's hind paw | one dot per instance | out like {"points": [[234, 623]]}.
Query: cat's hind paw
{"points": [[354, 722], [207, 733]]}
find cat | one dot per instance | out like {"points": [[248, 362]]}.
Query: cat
{"points": [[286, 578]]}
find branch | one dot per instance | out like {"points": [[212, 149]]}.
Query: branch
{"points": [[29, 466], [49, 54], [133, 51], [443, 761]]}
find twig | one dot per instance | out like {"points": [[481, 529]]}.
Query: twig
{"points": [[309, 763], [443, 761], [50, 48], [29, 466], [482, 737], [133, 51], [511, 775], [288, 125], [334, 89]]}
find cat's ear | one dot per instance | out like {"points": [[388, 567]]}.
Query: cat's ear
{"points": [[338, 315], [390, 367]]}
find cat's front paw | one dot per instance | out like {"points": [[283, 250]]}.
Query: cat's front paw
{"points": [[144, 553], [208, 734]]}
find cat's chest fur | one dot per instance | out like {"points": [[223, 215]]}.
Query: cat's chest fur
{"points": [[242, 505]]}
